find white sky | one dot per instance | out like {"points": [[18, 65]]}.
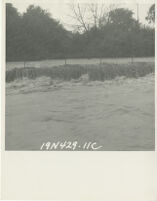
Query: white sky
{"points": [[60, 9]]}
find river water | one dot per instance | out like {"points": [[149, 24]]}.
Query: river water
{"points": [[118, 115]]}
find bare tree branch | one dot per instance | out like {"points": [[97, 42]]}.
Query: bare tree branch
{"points": [[89, 15]]}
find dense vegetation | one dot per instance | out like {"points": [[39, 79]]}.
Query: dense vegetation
{"points": [[35, 35], [95, 72]]}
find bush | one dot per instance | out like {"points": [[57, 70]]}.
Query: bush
{"points": [[95, 72]]}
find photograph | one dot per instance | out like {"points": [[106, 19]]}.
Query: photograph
{"points": [[79, 76]]}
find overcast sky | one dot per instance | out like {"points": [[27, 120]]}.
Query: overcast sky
{"points": [[60, 9]]}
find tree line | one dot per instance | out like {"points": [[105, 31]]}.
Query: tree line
{"points": [[35, 35]]}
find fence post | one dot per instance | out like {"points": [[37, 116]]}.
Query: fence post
{"points": [[100, 61], [132, 59], [65, 61]]}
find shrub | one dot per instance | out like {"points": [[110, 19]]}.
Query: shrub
{"points": [[99, 72]]}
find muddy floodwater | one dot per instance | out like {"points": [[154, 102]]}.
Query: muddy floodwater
{"points": [[117, 114]]}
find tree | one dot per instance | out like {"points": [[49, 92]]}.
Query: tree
{"points": [[122, 18], [151, 14], [88, 16], [35, 35], [43, 34], [13, 31]]}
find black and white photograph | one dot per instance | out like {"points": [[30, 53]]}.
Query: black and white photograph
{"points": [[79, 76]]}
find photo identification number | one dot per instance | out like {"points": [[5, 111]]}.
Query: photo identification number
{"points": [[67, 145]]}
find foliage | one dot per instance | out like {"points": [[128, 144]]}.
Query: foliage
{"points": [[95, 72], [122, 18], [151, 14], [35, 35]]}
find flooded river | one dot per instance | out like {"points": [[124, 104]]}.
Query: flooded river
{"points": [[116, 115]]}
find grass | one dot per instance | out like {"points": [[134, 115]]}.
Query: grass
{"points": [[95, 72]]}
